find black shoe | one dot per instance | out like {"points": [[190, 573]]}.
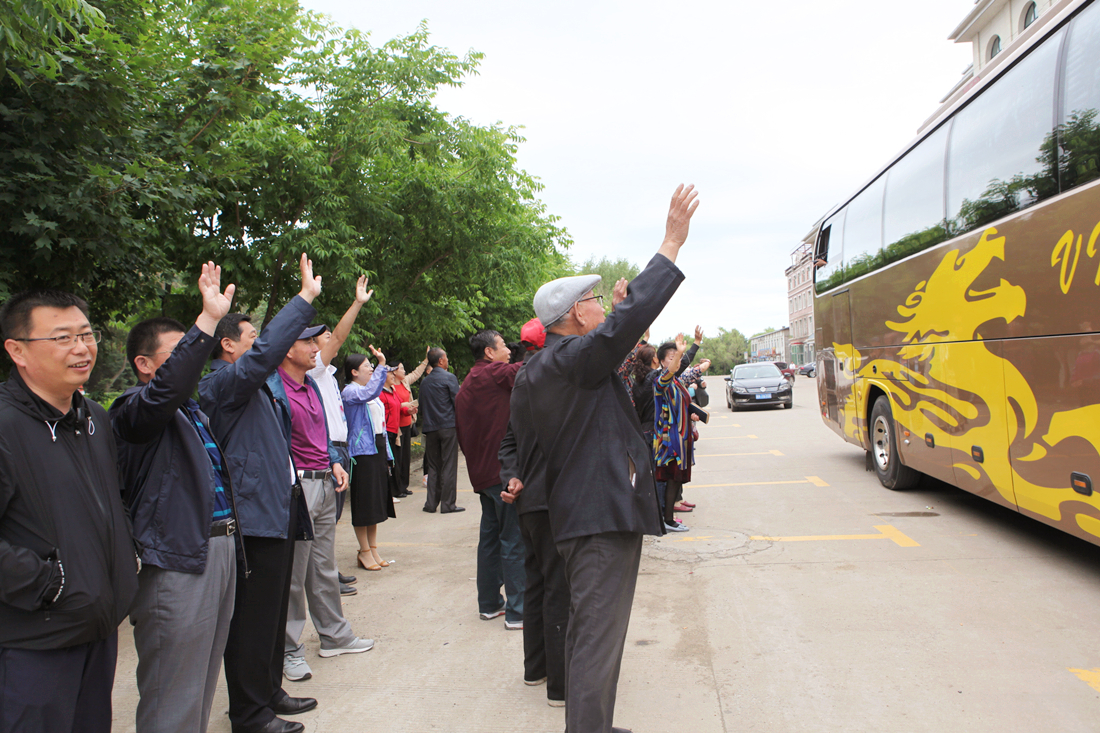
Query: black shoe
{"points": [[346, 579], [347, 590], [408, 492], [278, 725], [294, 705], [456, 509], [429, 511]]}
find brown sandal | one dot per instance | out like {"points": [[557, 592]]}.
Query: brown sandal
{"points": [[359, 559], [377, 559]]}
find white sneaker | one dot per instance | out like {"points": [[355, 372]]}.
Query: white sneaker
{"points": [[492, 614], [356, 646], [517, 626], [676, 527], [295, 668]]}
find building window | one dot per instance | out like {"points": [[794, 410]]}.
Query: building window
{"points": [[1030, 15], [994, 47]]}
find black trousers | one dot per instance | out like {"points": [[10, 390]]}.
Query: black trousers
{"points": [[394, 479], [254, 651], [406, 458], [58, 690], [441, 464], [603, 573], [545, 605]]}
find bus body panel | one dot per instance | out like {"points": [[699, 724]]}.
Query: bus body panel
{"points": [[989, 340]]}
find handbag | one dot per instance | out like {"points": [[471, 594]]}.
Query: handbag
{"points": [[414, 429]]}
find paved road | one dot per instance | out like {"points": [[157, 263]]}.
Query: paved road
{"points": [[805, 598]]}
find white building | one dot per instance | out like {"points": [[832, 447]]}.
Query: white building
{"points": [[993, 27], [800, 305], [771, 346]]}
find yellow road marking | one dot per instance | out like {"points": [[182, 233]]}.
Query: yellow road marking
{"points": [[887, 533], [723, 455], [816, 481], [1090, 676]]}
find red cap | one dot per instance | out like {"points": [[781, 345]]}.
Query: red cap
{"points": [[533, 334]]}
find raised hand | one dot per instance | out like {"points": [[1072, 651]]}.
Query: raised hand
{"points": [[684, 203], [311, 286], [378, 355], [681, 346], [698, 335], [704, 365], [618, 293], [362, 295], [215, 303]]}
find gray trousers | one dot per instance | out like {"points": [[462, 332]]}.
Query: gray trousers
{"points": [[603, 572], [181, 622], [441, 465], [314, 577]]}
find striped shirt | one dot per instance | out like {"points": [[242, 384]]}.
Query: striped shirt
{"points": [[222, 509]]}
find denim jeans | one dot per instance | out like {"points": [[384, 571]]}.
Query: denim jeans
{"points": [[500, 555]]}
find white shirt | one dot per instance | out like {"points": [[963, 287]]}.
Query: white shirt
{"points": [[378, 415], [330, 396]]}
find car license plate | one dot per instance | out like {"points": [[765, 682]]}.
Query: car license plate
{"points": [[765, 396]]}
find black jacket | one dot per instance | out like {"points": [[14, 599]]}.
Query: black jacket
{"points": [[166, 471], [60, 500], [437, 400], [249, 425], [533, 470], [585, 425]]}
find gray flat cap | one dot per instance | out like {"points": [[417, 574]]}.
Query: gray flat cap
{"points": [[557, 296]]}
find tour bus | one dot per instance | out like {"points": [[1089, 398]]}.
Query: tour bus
{"points": [[957, 293]]}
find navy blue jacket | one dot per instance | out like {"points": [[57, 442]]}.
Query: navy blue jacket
{"points": [[254, 436], [168, 480]]}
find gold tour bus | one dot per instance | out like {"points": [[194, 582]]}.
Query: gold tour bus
{"points": [[957, 293]]}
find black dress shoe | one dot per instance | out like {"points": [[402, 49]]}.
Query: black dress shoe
{"points": [[347, 590], [294, 705], [346, 579], [429, 511], [278, 725], [456, 509]]}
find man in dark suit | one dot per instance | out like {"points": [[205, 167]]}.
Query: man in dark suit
{"points": [[599, 481]]}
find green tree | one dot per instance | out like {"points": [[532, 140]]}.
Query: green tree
{"points": [[610, 271], [725, 351]]}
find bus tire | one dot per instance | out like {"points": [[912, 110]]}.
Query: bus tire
{"points": [[884, 449]]}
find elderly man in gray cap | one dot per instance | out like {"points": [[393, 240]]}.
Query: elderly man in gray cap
{"points": [[599, 482]]}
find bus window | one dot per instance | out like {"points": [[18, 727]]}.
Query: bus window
{"points": [[913, 211], [863, 231], [1080, 129], [830, 248], [1001, 157]]}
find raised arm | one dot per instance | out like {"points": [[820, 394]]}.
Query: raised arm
{"points": [[343, 328], [358, 393]]}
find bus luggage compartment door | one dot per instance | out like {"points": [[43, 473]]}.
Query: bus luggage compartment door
{"points": [[1052, 390], [975, 419]]}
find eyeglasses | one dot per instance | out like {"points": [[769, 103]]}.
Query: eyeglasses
{"points": [[594, 297], [68, 341]]}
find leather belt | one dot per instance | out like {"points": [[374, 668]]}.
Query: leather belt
{"points": [[314, 474], [339, 444], [224, 528]]}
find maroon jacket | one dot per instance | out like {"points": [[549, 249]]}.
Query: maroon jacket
{"points": [[481, 418]]}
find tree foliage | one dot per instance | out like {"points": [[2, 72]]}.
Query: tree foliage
{"points": [[246, 132]]}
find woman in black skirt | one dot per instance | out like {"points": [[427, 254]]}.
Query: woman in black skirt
{"points": [[371, 502]]}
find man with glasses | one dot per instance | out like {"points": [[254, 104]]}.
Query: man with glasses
{"points": [[181, 504], [579, 430], [68, 570]]}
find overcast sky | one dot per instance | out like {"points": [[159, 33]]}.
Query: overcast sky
{"points": [[776, 111]]}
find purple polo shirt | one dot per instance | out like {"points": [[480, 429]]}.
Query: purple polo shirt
{"points": [[308, 441]]}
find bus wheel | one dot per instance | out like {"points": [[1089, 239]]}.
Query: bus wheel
{"points": [[884, 449]]}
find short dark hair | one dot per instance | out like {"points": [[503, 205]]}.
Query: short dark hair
{"points": [[15, 316], [663, 349], [486, 338], [434, 355], [145, 336], [229, 327], [516, 352], [351, 364]]}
